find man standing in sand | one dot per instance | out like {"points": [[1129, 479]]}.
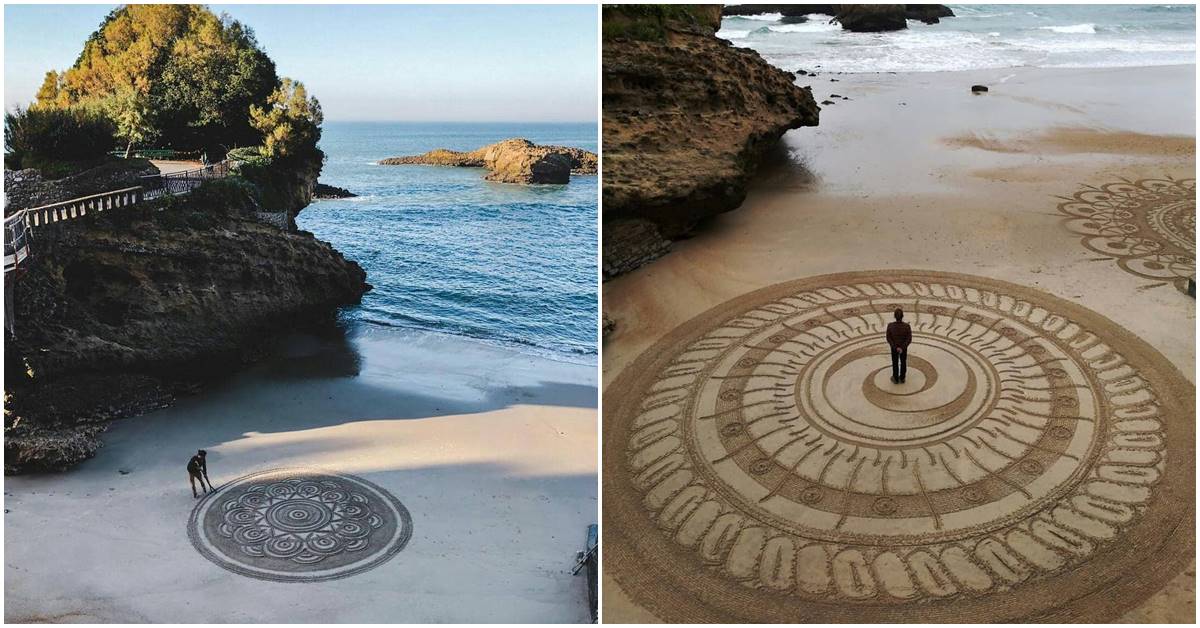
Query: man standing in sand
{"points": [[198, 470], [899, 336]]}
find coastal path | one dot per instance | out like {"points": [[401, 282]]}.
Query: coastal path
{"points": [[18, 228]]}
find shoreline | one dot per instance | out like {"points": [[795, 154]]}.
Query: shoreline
{"points": [[526, 349], [474, 440], [877, 186]]}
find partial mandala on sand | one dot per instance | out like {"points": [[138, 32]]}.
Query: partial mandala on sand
{"points": [[761, 466], [1147, 226]]}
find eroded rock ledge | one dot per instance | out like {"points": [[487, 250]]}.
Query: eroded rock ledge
{"points": [[687, 117], [512, 161]]}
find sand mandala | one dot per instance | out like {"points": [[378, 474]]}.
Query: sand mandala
{"points": [[1147, 226], [761, 466], [299, 525]]}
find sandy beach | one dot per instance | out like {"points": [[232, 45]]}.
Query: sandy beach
{"points": [[492, 452], [913, 171]]}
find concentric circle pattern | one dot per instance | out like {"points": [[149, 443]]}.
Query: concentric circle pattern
{"points": [[1148, 226], [768, 460], [299, 525]]}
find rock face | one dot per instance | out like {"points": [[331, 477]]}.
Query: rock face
{"points": [[118, 312], [512, 161], [686, 118], [27, 188], [322, 191]]}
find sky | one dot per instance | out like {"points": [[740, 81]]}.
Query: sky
{"points": [[446, 63]]}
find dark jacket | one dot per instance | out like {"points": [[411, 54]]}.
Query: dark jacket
{"points": [[197, 465], [899, 334]]}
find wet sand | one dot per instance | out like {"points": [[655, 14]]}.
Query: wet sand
{"points": [[492, 452], [916, 172]]}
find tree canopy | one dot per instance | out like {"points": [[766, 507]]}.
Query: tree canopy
{"points": [[175, 74]]}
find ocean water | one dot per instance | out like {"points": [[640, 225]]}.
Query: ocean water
{"points": [[982, 36], [450, 253]]}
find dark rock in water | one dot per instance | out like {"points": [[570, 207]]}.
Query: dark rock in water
{"points": [[686, 122], [927, 13], [123, 471], [827, 102], [512, 161], [322, 191], [871, 18], [116, 313], [978, 89], [834, 96], [874, 18], [793, 19]]}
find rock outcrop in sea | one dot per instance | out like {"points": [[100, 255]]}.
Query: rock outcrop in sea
{"points": [[512, 161], [687, 117], [116, 313], [867, 18], [324, 191]]}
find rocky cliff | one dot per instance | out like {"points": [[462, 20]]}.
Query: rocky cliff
{"points": [[118, 312], [687, 117], [511, 161]]}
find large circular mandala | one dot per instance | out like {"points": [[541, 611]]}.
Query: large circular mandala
{"points": [[1147, 226], [299, 525], [761, 466]]}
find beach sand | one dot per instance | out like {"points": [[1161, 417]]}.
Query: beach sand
{"points": [[492, 452], [915, 172]]}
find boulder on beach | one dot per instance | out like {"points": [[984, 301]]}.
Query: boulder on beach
{"points": [[511, 161], [978, 89], [687, 119]]}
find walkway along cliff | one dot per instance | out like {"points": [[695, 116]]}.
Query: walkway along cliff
{"points": [[126, 300], [687, 118]]}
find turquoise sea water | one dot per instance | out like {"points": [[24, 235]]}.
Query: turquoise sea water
{"points": [[982, 36], [450, 253]]}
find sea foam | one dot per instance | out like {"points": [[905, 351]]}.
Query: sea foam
{"points": [[1089, 29]]}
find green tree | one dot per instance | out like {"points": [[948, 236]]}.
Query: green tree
{"points": [[290, 123], [178, 70], [130, 110], [34, 138]]}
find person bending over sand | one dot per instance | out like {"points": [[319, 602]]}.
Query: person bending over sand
{"points": [[198, 470], [899, 336]]}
